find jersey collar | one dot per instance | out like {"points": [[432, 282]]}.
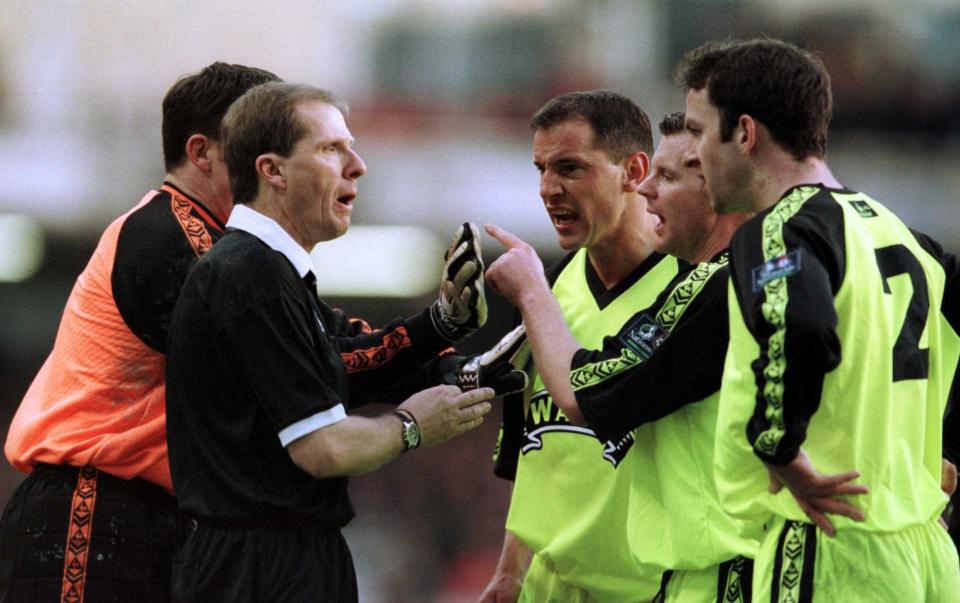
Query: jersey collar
{"points": [[603, 296], [270, 232], [205, 213], [819, 185]]}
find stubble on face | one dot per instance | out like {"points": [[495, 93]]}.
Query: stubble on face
{"points": [[724, 168], [579, 185]]}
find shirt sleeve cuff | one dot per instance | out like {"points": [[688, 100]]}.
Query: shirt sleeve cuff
{"points": [[312, 423]]}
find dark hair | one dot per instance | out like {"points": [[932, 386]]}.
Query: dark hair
{"points": [[196, 103], [785, 88], [672, 123], [620, 127], [264, 120]]}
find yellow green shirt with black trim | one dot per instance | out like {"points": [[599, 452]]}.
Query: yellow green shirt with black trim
{"points": [[567, 504], [843, 340], [659, 378]]}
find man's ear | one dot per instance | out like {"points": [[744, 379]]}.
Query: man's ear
{"points": [[638, 166], [745, 134], [270, 169], [198, 149]]}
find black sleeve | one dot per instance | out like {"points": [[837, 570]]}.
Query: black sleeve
{"points": [[785, 276], [385, 365], [657, 363], [951, 423], [151, 263], [950, 305], [950, 308], [299, 377]]}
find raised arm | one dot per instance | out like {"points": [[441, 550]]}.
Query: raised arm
{"points": [[518, 276]]}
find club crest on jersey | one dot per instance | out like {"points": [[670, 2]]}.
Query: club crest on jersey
{"points": [[863, 208], [644, 336], [781, 266], [544, 417]]}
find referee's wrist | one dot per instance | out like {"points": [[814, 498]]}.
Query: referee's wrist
{"points": [[409, 429], [405, 414]]}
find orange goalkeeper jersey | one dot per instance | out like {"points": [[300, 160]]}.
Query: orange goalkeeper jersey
{"points": [[99, 398]]}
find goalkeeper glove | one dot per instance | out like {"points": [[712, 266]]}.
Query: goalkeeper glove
{"points": [[461, 308], [494, 368]]}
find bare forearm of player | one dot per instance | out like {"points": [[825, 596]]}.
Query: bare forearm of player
{"points": [[350, 447], [507, 579], [515, 556], [553, 348]]}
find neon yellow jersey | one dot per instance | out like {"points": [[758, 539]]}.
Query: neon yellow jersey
{"points": [[661, 375], [567, 503], [840, 342]]}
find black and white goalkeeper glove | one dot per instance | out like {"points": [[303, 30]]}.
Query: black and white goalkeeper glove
{"points": [[495, 368], [462, 307]]}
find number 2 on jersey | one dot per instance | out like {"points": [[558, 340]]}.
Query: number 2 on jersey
{"points": [[909, 361]]}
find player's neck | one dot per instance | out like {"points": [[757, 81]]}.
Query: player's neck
{"points": [[719, 237], [199, 188], [630, 243], [270, 204], [613, 263], [782, 172]]}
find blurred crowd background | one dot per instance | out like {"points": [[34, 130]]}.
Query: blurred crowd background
{"points": [[441, 93]]}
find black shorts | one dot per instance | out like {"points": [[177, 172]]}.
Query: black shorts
{"points": [[276, 563], [83, 535]]}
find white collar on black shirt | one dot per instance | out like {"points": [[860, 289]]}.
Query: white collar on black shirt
{"points": [[270, 232]]}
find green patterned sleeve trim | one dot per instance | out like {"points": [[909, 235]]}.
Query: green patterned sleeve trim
{"points": [[775, 313], [590, 375]]}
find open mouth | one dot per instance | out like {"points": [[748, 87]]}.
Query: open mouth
{"points": [[347, 199], [563, 217], [658, 221]]}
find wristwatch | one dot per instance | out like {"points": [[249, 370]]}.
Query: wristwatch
{"points": [[409, 430]]}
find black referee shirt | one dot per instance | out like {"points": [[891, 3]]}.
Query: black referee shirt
{"points": [[256, 361]]}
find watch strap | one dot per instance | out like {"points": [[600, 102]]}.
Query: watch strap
{"points": [[409, 423]]}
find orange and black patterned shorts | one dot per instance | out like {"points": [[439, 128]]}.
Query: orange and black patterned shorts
{"points": [[76, 535]]}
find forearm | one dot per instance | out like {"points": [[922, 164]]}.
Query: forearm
{"points": [[389, 364], [353, 446], [518, 275], [360, 444], [553, 348], [514, 557], [507, 580]]}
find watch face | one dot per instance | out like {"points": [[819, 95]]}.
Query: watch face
{"points": [[411, 434]]}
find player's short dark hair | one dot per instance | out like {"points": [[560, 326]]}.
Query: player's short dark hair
{"points": [[620, 127], [784, 87], [672, 123], [196, 103], [264, 120]]}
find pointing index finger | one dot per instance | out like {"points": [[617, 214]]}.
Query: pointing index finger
{"points": [[508, 239]]}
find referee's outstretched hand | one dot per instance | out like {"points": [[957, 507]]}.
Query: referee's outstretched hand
{"points": [[817, 494], [444, 411]]}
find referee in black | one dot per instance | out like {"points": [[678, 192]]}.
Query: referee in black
{"points": [[261, 372]]}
